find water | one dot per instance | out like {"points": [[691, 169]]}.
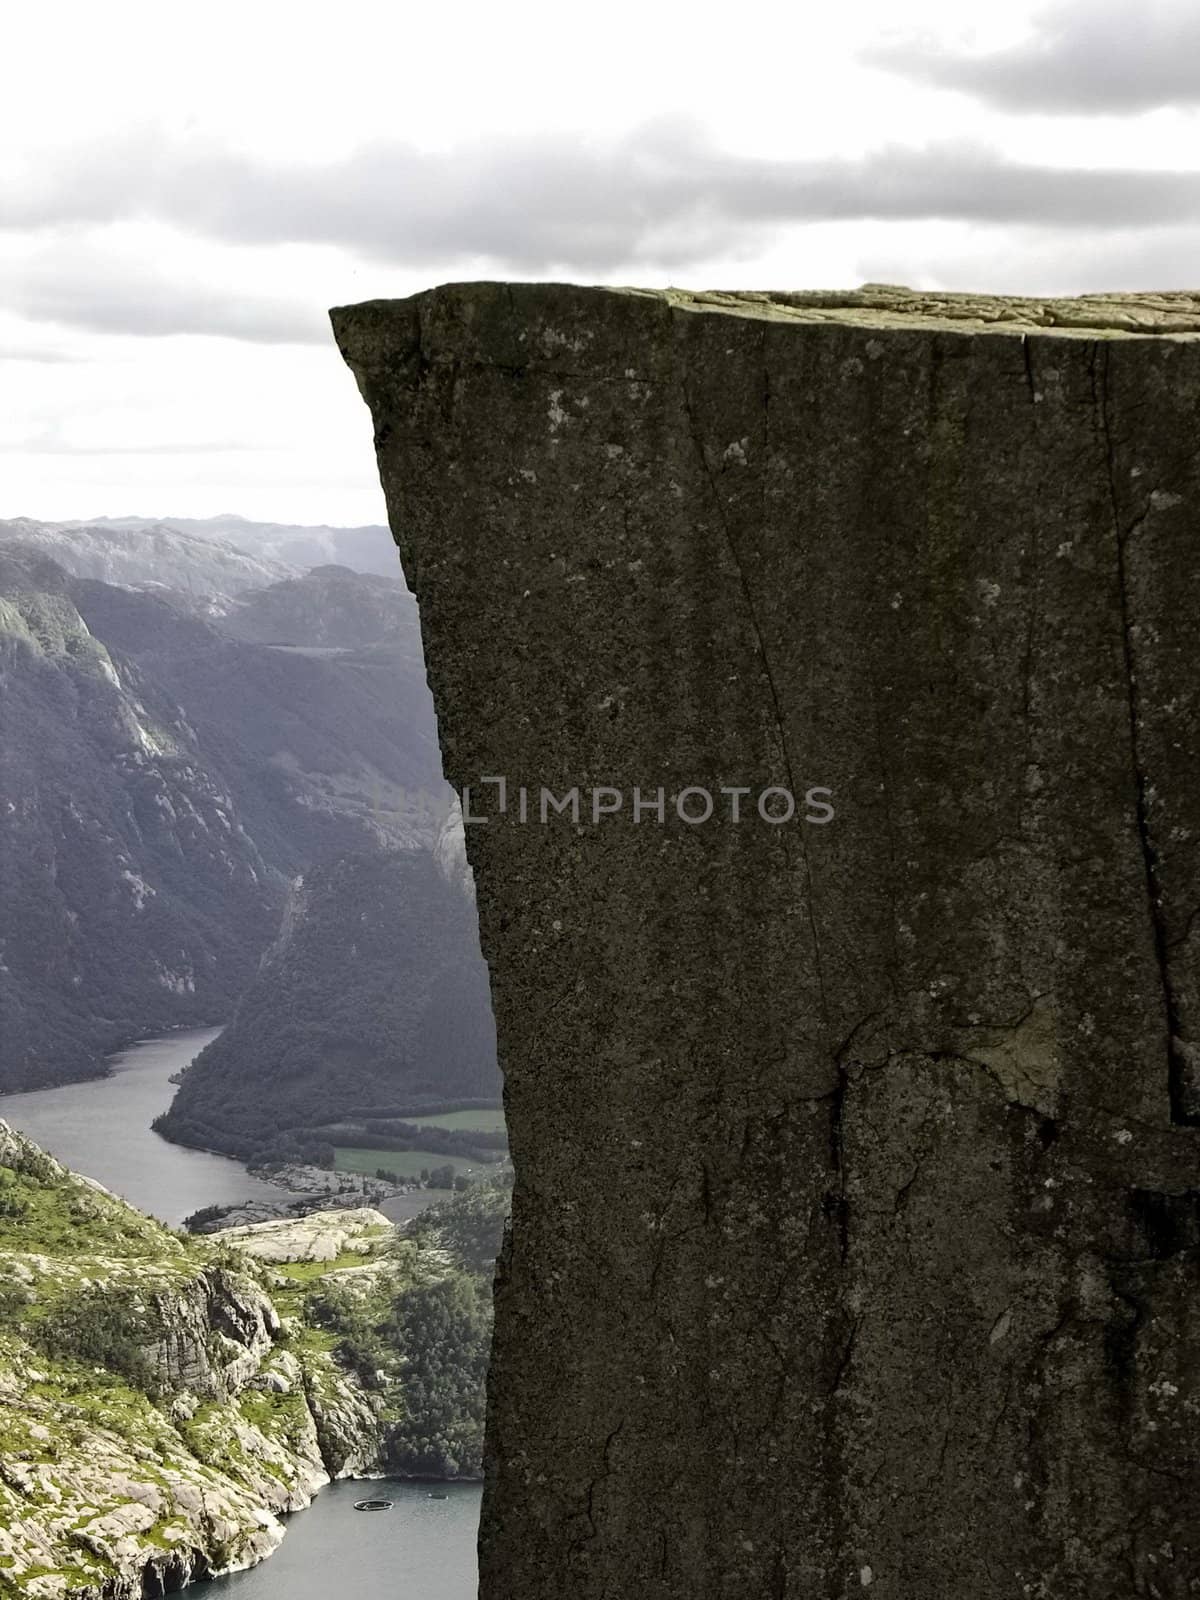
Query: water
{"points": [[422, 1547], [102, 1129]]}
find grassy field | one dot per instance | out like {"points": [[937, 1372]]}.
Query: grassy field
{"points": [[404, 1163], [310, 1271], [473, 1121]]}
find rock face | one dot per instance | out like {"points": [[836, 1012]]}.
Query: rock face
{"points": [[858, 1197], [163, 1403]]}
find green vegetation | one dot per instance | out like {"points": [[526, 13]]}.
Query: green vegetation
{"points": [[406, 1164], [444, 1332], [102, 1326], [477, 1147], [375, 993], [469, 1227], [423, 1339], [310, 1271], [142, 1367], [477, 1121], [41, 1210]]}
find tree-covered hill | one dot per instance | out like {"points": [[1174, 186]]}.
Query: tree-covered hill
{"points": [[374, 996]]}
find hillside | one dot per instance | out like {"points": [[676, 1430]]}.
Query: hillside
{"points": [[330, 607], [133, 898], [163, 782], [167, 1399], [374, 997], [326, 750], [153, 553]]}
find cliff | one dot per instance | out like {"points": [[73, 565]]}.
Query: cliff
{"points": [[167, 1400], [855, 1228]]}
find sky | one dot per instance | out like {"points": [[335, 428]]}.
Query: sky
{"points": [[184, 191]]}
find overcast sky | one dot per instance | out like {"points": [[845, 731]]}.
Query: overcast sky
{"points": [[184, 191]]}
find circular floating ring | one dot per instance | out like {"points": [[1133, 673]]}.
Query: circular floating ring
{"points": [[372, 1505]]}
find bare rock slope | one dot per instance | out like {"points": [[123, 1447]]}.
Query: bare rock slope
{"points": [[164, 1401], [856, 1222]]}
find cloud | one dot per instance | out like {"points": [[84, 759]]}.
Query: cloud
{"points": [[36, 353], [661, 195], [1082, 57], [1038, 263], [88, 289]]}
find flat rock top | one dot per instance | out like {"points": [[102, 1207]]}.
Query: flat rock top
{"points": [[1173, 313], [319, 1236]]}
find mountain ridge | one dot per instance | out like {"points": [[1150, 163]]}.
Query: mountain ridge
{"points": [[367, 547], [164, 781]]}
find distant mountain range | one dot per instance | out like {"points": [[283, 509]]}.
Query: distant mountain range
{"points": [[155, 555], [192, 737], [366, 549]]}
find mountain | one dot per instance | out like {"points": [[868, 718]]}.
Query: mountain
{"points": [[373, 999], [329, 607], [160, 784], [369, 548], [325, 750], [166, 1400], [155, 553], [133, 898]]}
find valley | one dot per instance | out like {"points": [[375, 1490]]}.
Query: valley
{"points": [[224, 804], [168, 1400], [102, 1128], [238, 933]]}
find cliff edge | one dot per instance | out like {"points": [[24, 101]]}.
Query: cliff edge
{"points": [[857, 1211]]}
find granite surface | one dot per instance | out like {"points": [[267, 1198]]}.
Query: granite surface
{"points": [[858, 1198]]}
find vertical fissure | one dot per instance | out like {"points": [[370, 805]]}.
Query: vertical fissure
{"points": [[1151, 862]]}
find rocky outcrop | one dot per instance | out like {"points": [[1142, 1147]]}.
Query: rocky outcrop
{"points": [[164, 1402], [307, 1189], [324, 1189], [103, 1493], [855, 1228], [318, 1236]]}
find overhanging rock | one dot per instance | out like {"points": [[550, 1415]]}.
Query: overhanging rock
{"points": [[857, 1216]]}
